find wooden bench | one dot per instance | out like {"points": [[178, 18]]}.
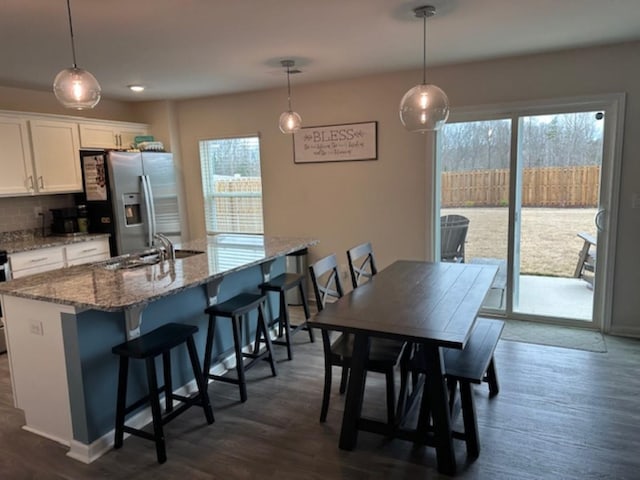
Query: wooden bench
{"points": [[473, 364], [586, 258]]}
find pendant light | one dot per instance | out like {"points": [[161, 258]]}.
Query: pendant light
{"points": [[290, 121], [425, 107], [75, 87]]}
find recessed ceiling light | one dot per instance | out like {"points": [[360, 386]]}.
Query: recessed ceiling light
{"points": [[136, 88]]}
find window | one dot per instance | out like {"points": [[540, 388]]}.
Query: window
{"points": [[232, 185], [232, 251]]}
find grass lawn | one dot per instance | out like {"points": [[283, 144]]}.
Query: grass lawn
{"points": [[549, 244]]}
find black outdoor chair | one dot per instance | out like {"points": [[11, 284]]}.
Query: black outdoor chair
{"points": [[453, 233]]}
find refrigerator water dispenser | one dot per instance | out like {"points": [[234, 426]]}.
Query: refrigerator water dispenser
{"points": [[132, 209]]}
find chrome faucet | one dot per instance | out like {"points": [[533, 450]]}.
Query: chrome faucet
{"points": [[167, 247]]}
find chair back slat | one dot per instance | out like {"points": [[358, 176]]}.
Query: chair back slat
{"points": [[362, 264], [326, 280]]}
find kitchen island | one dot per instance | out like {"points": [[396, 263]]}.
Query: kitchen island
{"points": [[61, 326]]}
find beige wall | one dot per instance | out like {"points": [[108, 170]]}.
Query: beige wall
{"points": [[38, 101], [387, 201], [342, 203]]}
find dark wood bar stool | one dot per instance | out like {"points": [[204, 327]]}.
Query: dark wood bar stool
{"points": [[235, 309], [147, 347], [281, 285]]}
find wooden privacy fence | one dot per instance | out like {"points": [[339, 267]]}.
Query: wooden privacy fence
{"points": [[541, 187], [238, 204]]}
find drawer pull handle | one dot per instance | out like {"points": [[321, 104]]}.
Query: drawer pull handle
{"points": [[87, 250], [38, 260]]}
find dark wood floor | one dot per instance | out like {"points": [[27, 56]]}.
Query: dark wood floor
{"points": [[561, 414]]}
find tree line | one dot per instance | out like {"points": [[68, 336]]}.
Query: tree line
{"points": [[573, 139], [231, 156]]}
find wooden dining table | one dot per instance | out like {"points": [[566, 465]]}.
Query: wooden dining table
{"points": [[431, 304]]}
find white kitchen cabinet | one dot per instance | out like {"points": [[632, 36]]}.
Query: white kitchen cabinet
{"points": [[15, 156], [110, 135], [87, 252], [56, 160], [50, 258], [39, 153], [36, 261]]}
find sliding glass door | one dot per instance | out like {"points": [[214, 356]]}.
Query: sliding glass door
{"points": [[475, 172], [561, 157], [535, 187]]}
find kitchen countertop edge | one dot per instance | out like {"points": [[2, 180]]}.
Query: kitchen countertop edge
{"points": [[36, 243], [55, 275]]}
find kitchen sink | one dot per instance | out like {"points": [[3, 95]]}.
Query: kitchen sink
{"points": [[146, 259]]}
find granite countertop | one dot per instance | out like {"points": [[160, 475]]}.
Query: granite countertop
{"points": [[96, 286], [24, 244]]}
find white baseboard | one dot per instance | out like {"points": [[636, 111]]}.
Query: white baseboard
{"points": [[625, 332], [62, 441]]}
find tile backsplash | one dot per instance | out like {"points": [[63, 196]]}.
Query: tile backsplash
{"points": [[18, 213]]}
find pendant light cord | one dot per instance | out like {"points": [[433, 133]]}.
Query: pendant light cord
{"points": [[73, 46], [424, 49], [289, 89]]}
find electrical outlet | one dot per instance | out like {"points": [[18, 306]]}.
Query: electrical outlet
{"points": [[36, 328], [37, 211]]}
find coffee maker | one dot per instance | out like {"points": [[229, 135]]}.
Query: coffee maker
{"points": [[65, 221]]}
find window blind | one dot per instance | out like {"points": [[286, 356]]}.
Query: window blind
{"points": [[232, 185]]}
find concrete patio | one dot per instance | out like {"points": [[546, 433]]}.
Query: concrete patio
{"points": [[568, 298]]}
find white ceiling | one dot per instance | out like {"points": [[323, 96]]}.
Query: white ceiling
{"points": [[191, 48]]}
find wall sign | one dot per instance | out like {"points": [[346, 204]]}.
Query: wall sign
{"points": [[336, 143]]}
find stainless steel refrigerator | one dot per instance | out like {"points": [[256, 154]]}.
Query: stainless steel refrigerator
{"points": [[132, 196]]}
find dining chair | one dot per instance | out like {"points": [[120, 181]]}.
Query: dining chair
{"points": [[362, 264], [384, 355]]}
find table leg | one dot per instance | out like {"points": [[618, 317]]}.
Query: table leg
{"points": [[355, 393], [439, 407]]}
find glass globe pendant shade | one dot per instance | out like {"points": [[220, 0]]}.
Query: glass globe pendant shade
{"points": [[290, 122], [76, 88], [424, 108]]}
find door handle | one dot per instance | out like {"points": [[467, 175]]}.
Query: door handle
{"points": [[147, 209], [600, 219], [31, 186], [40, 182]]}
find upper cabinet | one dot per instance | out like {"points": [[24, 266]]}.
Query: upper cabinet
{"points": [[110, 135], [15, 157], [56, 156], [39, 153]]}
